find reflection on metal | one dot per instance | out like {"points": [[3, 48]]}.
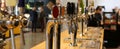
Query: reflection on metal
{"points": [[12, 39], [57, 35], [12, 23], [83, 20], [50, 24], [72, 13], [24, 22], [52, 28], [73, 28]]}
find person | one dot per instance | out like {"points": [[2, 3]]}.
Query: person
{"points": [[33, 18], [42, 18], [95, 19], [98, 15]]}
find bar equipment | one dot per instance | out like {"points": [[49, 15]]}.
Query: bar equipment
{"points": [[53, 27], [23, 20], [23, 23], [12, 23], [73, 23]]}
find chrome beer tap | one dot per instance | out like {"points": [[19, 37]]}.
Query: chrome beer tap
{"points": [[53, 27], [23, 23], [72, 24], [49, 34], [11, 24]]}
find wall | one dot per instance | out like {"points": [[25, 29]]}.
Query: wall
{"points": [[11, 2], [64, 2], [109, 4]]}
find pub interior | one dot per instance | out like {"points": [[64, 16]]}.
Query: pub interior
{"points": [[59, 24]]}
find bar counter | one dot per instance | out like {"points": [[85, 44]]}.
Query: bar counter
{"points": [[91, 39]]}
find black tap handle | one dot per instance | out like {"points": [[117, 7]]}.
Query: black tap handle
{"points": [[68, 8]]}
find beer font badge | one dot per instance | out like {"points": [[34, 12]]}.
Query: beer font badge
{"points": [[55, 11]]}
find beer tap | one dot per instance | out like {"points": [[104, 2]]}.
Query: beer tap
{"points": [[53, 27], [23, 20], [83, 22], [12, 23], [23, 23], [73, 25], [49, 34]]}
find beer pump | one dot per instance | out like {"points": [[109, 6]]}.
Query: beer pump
{"points": [[23, 23], [12, 23], [23, 20], [72, 24], [82, 18], [53, 27]]}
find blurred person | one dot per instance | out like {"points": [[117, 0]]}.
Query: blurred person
{"points": [[42, 18], [98, 15], [33, 18], [47, 9], [95, 19], [21, 5]]}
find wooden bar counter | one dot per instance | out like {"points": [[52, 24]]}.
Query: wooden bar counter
{"points": [[65, 44]]}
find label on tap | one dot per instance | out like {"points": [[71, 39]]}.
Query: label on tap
{"points": [[55, 12]]}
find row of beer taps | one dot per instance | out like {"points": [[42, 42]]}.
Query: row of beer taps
{"points": [[73, 16], [11, 21]]}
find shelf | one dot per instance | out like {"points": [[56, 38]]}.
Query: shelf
{"points": [[110, 29], [110, 23], [118, 23]]}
